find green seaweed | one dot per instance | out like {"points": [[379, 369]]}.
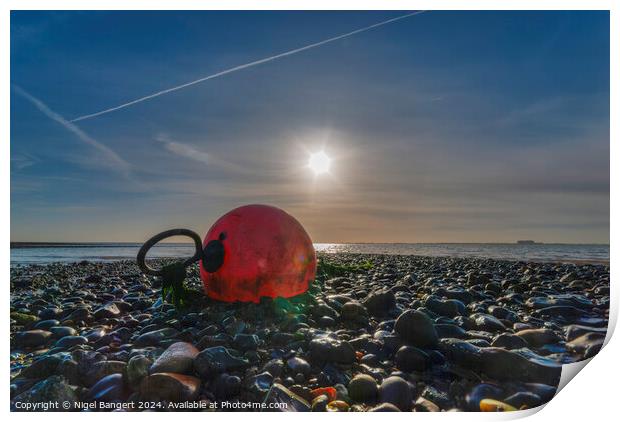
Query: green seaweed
{"points": [[327, 270], [173, 286], [175, 290]]}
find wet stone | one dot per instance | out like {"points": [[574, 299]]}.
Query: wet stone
{"points": [[327, 349], [524, 399], [221, 339], [380, 302], [43, 367], [574, 331], [102, 369], [109, 310], [282, 339], [246, 341], [319, 403], [137, 369], [94, 336], [474, 278], [588, 344], [280, 394], [363, 389], [449, 307], [215, 360], [568, 313], [385, 407], [179, 358], [508, 365], [324, 310], [353, 311], [226, 386], [298, 366], [396, 391], [47, 324], [337, 406], [169, 386], [569, 300], [260, 383], [417, 329], [509, 341], [70, 370], [409, 358], [78, 315], [370, 359], [501, 313], [53, 389], [70, 341], [485, 322], [450, 331], [108, 389], [274, 367], [153, 338], [425, 405], [480, 392], [61, 331], [439, 397], [32, 338], [50, 313], [86, 359]]}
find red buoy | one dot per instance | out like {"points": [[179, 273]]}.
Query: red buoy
{"points": [[255, 251]]}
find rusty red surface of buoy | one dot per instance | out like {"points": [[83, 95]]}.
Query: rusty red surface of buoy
{"points": [[255, 251]]}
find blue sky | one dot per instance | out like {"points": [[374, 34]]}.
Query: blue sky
{"points": [[442, 127]]}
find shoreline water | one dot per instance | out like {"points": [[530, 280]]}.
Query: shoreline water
{"points": [[31, 253], [576, 262], [408, 333]]}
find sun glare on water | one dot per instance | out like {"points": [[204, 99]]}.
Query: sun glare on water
{"points": [[319, 162]]}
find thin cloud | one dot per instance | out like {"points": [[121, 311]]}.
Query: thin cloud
{"points": [[22, 161], [110, 158], [246, 65], [191, 153], [184, 150]]}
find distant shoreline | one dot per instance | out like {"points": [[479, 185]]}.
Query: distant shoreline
{"points": [[45, 252], [22, 245]]}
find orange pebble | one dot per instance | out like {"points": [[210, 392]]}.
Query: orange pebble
{"points": [[490, 405], [337, 406], [330, 392]]}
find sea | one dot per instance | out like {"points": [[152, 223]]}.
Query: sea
{"points": [[23, 254]]}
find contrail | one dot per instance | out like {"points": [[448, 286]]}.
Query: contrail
{"points": [[111, 158], [245, 66]]}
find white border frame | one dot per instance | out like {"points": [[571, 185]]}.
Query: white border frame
{"points": [[591, 395]]}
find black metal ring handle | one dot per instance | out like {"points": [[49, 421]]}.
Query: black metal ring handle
{"points": [[163, 235]]}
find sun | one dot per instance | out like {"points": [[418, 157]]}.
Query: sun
{"points": [[319, 162]]}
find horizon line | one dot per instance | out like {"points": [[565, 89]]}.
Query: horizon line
{"points": [[73, 243]]}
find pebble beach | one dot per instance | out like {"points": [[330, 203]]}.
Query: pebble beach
{"points": [[374, 333]]}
